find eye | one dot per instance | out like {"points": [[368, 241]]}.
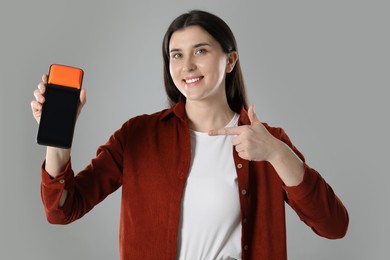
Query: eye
{"points": [[200, 51], [176, 55]]}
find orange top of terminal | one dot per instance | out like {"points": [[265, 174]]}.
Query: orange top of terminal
{"points": [[65, 76]]}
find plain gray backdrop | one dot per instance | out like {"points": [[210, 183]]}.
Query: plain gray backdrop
{"points": [[319, 69]]}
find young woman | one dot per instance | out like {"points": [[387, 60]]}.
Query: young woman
{"points": [[203, 179]]}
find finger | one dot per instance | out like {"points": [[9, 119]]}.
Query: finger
{"points": [[240, 148], [44, 78], [35, 106], [38, 96], [83, 96], [252, 115], [243, 155], [236, 140], [226, 131], [83, 100], [42, 87]]}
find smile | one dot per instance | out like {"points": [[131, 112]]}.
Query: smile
{"points": [[192, 80]]}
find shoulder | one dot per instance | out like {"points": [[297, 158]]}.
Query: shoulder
{"points": [[276, 131], [280, 134], [153, 122], [145, 119], [174, 113], [138, 126]]}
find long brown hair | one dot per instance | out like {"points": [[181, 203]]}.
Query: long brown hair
{"points": [[216, 27]]}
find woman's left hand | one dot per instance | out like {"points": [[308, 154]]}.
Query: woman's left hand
{"points": [[252, 142]]}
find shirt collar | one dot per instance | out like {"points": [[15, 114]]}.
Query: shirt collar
{"points": [[244, 118], [179, 111]]}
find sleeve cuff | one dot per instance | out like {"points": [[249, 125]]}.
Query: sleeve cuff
{"points": [[61, 181]]}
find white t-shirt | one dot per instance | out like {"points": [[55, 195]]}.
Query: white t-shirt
{"points": [[210, 225]]}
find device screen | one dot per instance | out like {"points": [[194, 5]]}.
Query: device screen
{"points": [[58, 117]]}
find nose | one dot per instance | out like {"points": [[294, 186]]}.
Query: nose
{"points": [[189, 64]]}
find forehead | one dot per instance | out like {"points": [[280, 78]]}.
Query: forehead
{"points": [[190, 36]]}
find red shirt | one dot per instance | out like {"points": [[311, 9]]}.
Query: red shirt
{"points": [[149, 157]]}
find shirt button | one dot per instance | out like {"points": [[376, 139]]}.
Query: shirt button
{"points": [[246, 247], [239, 166], [243, 192], [244, 220], [62, 181]]}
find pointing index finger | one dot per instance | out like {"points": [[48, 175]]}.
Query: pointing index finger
{"points": [[226, 131]]}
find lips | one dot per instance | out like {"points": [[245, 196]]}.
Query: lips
{"points": [[192, 80]]}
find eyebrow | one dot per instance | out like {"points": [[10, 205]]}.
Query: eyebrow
{"points": [[195, 46]]}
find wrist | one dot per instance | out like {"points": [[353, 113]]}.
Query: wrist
{"points": [[56, 160], [278, 151], [287, 164]]}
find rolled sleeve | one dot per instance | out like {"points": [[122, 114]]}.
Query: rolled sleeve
{"points": [[306, 187], [51, 191]]}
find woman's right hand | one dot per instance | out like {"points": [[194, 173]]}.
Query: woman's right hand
{"points": [[39, 94], [56, 158]]}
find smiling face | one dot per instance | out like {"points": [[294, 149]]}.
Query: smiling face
{"points": [[198, 65]]}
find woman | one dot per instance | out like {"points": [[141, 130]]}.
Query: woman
{"points": [[203, 179]]}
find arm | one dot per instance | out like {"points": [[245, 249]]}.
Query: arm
{"points": [[287, 164], [306, 191], [85, 189], [314, 200], [56, 158], [255, 143], [66, 196]]}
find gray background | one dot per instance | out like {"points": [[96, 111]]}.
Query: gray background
{"points": [[319, 69]]}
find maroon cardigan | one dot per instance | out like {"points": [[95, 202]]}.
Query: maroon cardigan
{"points": [[149, 157]]}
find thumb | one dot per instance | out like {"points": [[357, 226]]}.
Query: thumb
{"points": [[83, 96], [83, 100], [252, 115]]}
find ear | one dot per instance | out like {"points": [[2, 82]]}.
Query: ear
{"points": [[232, 58]]}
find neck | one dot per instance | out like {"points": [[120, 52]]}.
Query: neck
{"points": [[205, 117]]}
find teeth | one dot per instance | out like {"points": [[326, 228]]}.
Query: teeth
{"points": [[192, 80]]}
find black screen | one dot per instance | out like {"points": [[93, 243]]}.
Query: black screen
{"points": [[58, 117]]}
